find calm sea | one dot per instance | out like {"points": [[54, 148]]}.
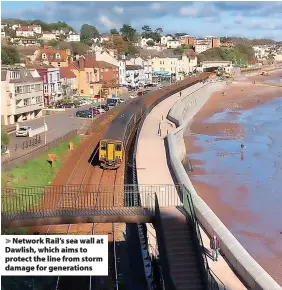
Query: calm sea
{"points": [[259, 171]]}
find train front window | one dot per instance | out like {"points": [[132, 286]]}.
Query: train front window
{"points": [[103, 145], [118, 147]]}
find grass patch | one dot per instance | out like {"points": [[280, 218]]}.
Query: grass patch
{"points": [[38, 171]]}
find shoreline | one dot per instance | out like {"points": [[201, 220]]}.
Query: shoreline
{"points": [[238, 97]]}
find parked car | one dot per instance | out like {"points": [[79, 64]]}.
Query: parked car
{"points": [[23, 131], [84, 114], [100, 109], [105, 107], [95, 111]]}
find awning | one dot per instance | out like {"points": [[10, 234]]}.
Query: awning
{"points": [[161, 73]]}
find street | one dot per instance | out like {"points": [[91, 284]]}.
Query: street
{"points": [[59, 124]]}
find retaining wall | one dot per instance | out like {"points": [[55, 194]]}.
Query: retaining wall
{"points": [[249, 270]]}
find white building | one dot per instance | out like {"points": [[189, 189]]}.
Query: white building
{"points": [[278, 57], [73, 37], [24, 31], [202, 45], [262, 51], [134, 75], [104, 38], [122, 71], [146, 64], [173, 67], [3, 34], [54, 84], [172, 44], [143, 42], [22, 94], [165, 39], [36, 28], [107, 56], [15, 26], [48, 36], [68, 81]]}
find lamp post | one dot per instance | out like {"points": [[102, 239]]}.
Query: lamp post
{"points": [[45, 133], [100, 100]]}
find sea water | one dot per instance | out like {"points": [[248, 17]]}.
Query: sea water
{"points": [[258, 168]]}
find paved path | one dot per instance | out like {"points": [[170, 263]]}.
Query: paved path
{"points": [[152, 169]]}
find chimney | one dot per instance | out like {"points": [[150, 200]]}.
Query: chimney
{"points": [[81, 62]]}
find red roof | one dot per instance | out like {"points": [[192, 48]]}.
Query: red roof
{"points": [[24, 28], [65, 72]]}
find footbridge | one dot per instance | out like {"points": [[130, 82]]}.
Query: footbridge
{"points": [[50, 205]]}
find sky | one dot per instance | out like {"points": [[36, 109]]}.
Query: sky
{"points": [[244, 19]]}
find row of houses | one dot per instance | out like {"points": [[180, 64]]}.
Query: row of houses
{"points": [[29, 35], [48, 75]]}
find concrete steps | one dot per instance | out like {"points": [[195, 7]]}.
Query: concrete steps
{"points": [[181, 251]]}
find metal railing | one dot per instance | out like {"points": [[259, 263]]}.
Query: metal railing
{"points": [[55, 200], [211, 280], [13, 162], [167, 282]]}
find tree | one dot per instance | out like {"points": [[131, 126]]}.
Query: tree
{"points": [[128, 32], [87, 32], [79, 48], [53, 43], [9, 55], [120, 44], [132, 50], [4, 137], [159, 30], [150, 43], [146, 28], [114, 32]]}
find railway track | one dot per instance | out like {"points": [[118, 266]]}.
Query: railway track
{"points": [[81, 170]]}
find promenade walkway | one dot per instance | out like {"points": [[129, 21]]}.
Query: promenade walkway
{"points": [[152, 168]]}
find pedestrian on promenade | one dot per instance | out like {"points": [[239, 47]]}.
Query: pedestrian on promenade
{"points": [[180, 94], [215, 248]]}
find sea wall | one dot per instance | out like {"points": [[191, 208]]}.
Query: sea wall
{"points": [[181, 114]]}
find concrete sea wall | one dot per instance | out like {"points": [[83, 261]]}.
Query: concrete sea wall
{"points": [[181, 114]]}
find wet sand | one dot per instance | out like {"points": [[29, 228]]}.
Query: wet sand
{"points": [[233, 181]]}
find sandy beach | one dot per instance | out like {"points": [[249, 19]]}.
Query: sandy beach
{"points": [[223, 174]]}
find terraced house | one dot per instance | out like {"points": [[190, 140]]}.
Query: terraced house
{"points": [[93, 77], [22, 94]]}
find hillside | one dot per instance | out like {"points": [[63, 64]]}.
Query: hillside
{"points": [[240, 54], [45, 26], [247, 41]]}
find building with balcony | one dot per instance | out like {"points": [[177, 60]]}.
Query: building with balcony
{"points": [[22, 94], [134, 75], [52, 87], [122, 68], [170, 68], [146, 63]]}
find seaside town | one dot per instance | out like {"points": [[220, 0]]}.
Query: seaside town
{"points": [[152, 138], [53, 62]]}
